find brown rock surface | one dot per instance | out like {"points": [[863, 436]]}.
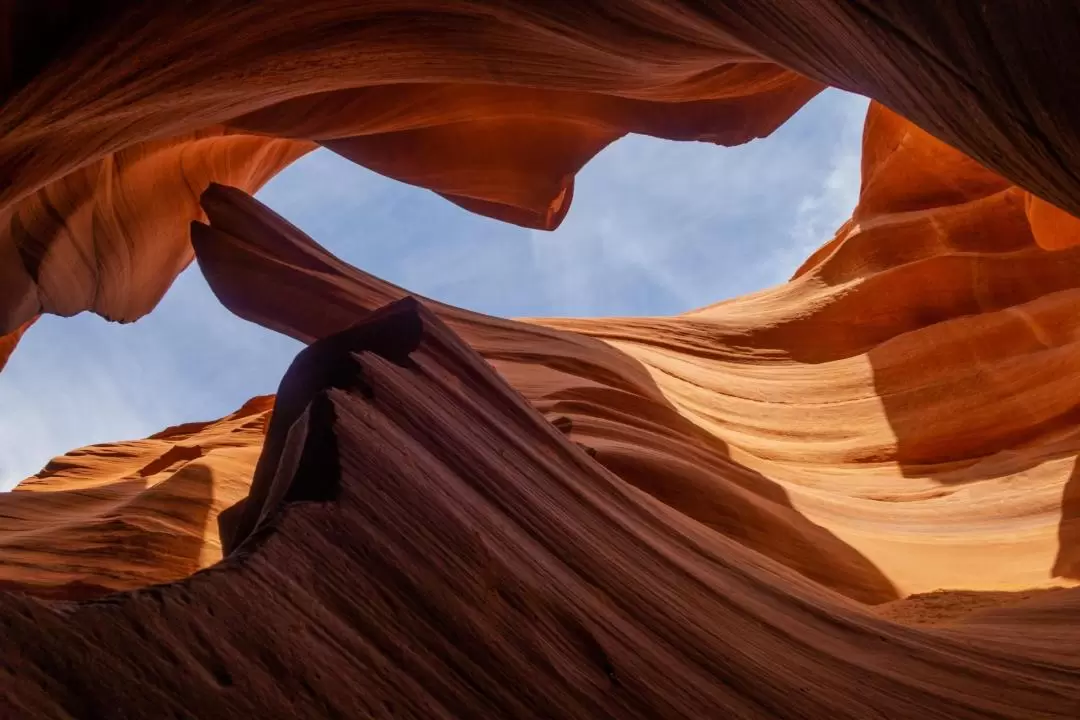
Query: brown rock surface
{"points": [[917, 443], [428, 546], [123, 515], [495, 106], [659, 405], [715, 497]]}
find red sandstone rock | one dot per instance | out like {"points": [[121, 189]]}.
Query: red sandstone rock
{"points": [[715, 497], [494, 108], [125, 515], [429, 546]]}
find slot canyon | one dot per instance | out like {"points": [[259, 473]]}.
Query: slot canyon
{"points": [[855, 494]]}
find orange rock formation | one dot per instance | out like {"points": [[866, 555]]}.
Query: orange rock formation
{"points": [[124, 515], [740, 511]]}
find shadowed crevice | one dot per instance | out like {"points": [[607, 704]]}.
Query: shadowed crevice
{"points": [[1067, 562], [391, 333]]}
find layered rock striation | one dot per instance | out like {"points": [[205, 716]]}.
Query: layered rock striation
{"points": [[744, 510]]}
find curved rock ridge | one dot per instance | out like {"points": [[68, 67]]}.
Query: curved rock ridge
{"points": [[111, 235], [124, 515], [913, 388], [493, 103], [426, 545]]}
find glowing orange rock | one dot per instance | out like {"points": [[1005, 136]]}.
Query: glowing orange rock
{"points": [[128, 514], [9, 341], [1054, 229]]}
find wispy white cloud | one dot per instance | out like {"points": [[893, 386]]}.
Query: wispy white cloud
{"points": [[662, 228], [656, 228], [823, 209]]}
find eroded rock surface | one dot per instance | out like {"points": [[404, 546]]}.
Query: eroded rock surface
{"points": [[427, 545], [114, 120], [457, 515], [123, 515]]}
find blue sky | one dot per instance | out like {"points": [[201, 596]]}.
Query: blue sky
{"points": [[656, 228]]}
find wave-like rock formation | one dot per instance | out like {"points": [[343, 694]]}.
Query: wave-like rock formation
{"points": [[129, 514], [741, 511], [424, 544], [652, 487], [116, 116]]}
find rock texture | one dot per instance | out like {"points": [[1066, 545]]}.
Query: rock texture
{"points": [[129, 514], [658, 478], [742, 511], [493, 104], [882, 442], [427, 545]]}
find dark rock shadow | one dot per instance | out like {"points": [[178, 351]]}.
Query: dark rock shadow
{"points": [[966, 433], [701, 480], [1067, 562]]}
